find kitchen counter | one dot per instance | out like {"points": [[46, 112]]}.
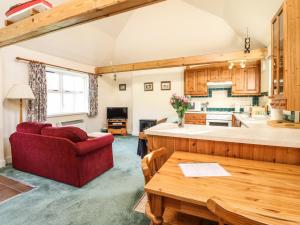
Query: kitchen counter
{"points": [[255, 122], [255, 134]]}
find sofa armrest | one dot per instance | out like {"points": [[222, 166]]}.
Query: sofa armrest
{"points": [[94, 144]]}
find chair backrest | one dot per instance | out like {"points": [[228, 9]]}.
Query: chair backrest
{"points": [[152, 162], [229, 215], [162, 121]]}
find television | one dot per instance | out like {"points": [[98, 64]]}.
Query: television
{"points": [[117, 113]]}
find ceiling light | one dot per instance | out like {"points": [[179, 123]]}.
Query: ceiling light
{"points": [[231, 65], [247, 43]]}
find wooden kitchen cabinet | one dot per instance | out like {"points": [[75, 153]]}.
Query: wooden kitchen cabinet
{"points": [[246, 81], [286, 57], [214, 74], [195, 118], [189, 82], [195, 82], [219, 74], [226, 74]]}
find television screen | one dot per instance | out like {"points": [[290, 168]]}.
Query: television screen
{"points": [[117, 113]]}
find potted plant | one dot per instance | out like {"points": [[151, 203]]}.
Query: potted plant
{"points": [[181, 104]]}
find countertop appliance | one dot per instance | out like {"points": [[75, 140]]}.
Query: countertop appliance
{"points": [[223, 119], [276, 114]]}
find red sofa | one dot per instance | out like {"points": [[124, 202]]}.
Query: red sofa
{"points": [[64, 154]]}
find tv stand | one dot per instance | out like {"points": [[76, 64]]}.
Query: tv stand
{"points": [[117, 126]]}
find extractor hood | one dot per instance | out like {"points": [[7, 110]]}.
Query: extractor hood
{"points": [[224, 84]]}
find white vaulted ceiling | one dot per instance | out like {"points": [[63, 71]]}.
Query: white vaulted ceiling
{"points": [[240, 14], [172, 28]]}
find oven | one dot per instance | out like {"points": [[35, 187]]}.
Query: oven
{"points": [[219, 119]]}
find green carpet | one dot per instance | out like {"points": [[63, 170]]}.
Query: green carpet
{"points": [[107, 200]]}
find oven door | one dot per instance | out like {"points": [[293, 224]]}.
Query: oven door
{"points": [[219, 123]]}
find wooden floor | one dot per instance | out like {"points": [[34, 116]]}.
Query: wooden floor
{"points": [[10, 188]]}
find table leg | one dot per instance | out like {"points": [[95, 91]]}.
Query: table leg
{"points": [[157, 209]]}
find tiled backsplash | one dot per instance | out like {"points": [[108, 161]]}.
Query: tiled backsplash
{"points": [[221, 98], [222, 109]]}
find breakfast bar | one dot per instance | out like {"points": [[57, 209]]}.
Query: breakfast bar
{"points": [[277, 145]]}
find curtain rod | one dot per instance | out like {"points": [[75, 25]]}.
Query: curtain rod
{"points": [[51, 65]]}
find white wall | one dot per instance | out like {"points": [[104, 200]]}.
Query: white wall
{"points": [[154, 104], [110, 96], [17, 72]]}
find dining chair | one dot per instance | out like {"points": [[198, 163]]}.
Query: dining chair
{"points": [[150, 165], [228, 215], [153, 162]]}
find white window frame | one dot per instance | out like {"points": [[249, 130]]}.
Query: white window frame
{"points": [[62, 73]]}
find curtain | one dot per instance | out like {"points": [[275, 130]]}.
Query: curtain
{"points": [[93, 95], [37, 108]]}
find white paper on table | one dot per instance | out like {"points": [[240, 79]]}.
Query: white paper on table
{"points": [[203, 170]]}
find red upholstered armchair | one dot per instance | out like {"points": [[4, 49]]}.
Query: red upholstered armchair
{"points": [[64, 154]]}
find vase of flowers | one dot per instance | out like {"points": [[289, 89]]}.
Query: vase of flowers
{"points": [[181, 104]]}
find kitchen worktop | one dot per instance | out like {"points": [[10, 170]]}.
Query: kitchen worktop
{"points": [[260, 135], [253, 122]]}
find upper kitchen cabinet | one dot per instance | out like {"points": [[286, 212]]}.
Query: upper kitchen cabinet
{"points": [[219, 73], [286, 57], [246, 81], [195, 82]]}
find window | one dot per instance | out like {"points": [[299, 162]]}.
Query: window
{"points": [[67, 92]]}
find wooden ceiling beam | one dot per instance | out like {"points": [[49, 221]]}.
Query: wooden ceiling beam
{"points": [[184, 61], [68, 14]]}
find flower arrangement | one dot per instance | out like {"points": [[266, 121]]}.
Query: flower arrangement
{"points": [[181, 104]]}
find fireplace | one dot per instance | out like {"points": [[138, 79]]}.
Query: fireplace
{"points": [[145, 124]]}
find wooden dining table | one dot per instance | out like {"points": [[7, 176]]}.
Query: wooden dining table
{"points": [[263, 191]]}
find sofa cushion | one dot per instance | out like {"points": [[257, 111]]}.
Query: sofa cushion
{"points": [[32, 127], [74, 134], [94, 144]]}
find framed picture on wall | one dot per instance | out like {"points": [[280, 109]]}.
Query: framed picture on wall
{"points": [[148, 86], [165, 85], [122, 87]]}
